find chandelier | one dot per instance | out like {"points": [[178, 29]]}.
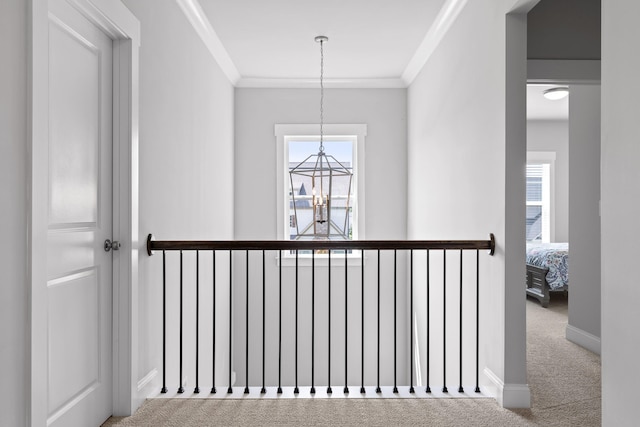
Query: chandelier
{"points": [[323, 215]]}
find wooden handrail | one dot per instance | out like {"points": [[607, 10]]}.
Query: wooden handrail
{"points": [[176, 245]]}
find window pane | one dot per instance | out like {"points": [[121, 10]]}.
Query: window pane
{"points": [[535, 175], [302, 156], [534, 222]]}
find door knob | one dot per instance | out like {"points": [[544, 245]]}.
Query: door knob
{"points": [[108, 245]]}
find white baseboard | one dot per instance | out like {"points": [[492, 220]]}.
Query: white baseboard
{"points": [[583, 339], [144, 381], [509, 395]]}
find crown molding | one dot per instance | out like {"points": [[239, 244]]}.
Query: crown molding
{"points": [[201, 24], [198, 19], [447, 15], [258, 82]]}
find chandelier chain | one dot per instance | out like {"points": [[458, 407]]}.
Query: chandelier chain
{"points": [[321, 96]]}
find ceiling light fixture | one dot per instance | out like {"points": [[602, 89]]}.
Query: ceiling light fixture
{"points": [[556, 93], [328, 216]]}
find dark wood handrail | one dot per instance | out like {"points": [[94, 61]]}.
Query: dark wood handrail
{"points": [[176, 245]]}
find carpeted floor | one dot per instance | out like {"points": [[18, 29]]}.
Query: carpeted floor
{"points": [[564, 380]]}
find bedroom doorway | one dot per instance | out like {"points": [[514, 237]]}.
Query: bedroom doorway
{"points": [[547, 191], [563, 198], [563, 51]]}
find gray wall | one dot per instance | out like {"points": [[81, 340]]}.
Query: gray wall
{"points": [[383, 110], [564, 29], [620, 211], [553, 135], [186, 181], [14, 286], [256, 113], [584, 216]]}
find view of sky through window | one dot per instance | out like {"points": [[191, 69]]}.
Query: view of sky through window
{"points": [[300, 150]]}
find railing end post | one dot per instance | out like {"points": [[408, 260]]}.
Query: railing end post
{"points": [[492, 237], [150, 239]]}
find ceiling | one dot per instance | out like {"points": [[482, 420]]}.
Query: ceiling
{"points": [[383, 41], [372, 43], [540, 108]]}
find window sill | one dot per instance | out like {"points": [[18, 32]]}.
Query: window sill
{"points": [[322, 260]]}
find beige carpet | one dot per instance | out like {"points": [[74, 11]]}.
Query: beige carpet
{"points": [[564, 378], [564, 381]]}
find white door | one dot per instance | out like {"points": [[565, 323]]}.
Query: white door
{"points": [[79, 270]]}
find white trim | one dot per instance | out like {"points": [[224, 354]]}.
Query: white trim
{"points": [[547, 157], [112, 17], [563, 71], [314, 83], [271, 393], [583, 339], [353, 260], [198, 19], [123, 27], [508, 395], [446, 17], [125, 227], [416, 353], [201, 24], [144, 381]]}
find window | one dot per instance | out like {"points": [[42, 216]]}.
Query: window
{"points": [[301, 190], [539, 196], [294, 143]]}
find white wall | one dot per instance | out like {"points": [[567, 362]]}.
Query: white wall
{"points": [[553, 135], [257, 111], [186, 180], [13, 211], [467, 151], [620, 211], [584, 216]]}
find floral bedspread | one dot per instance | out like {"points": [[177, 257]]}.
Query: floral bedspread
{"points": [[555, 257]]}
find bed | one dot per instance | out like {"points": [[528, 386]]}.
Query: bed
{"points": [[547, 270]]}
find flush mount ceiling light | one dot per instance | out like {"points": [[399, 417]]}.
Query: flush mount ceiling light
{"points": [[323, 215], [556, 93]]}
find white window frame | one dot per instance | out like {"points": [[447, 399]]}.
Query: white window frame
{"points": [[549, 198], [286, 132]]}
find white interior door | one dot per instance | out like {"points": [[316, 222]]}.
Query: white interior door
{"points": [[79, 270]]}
